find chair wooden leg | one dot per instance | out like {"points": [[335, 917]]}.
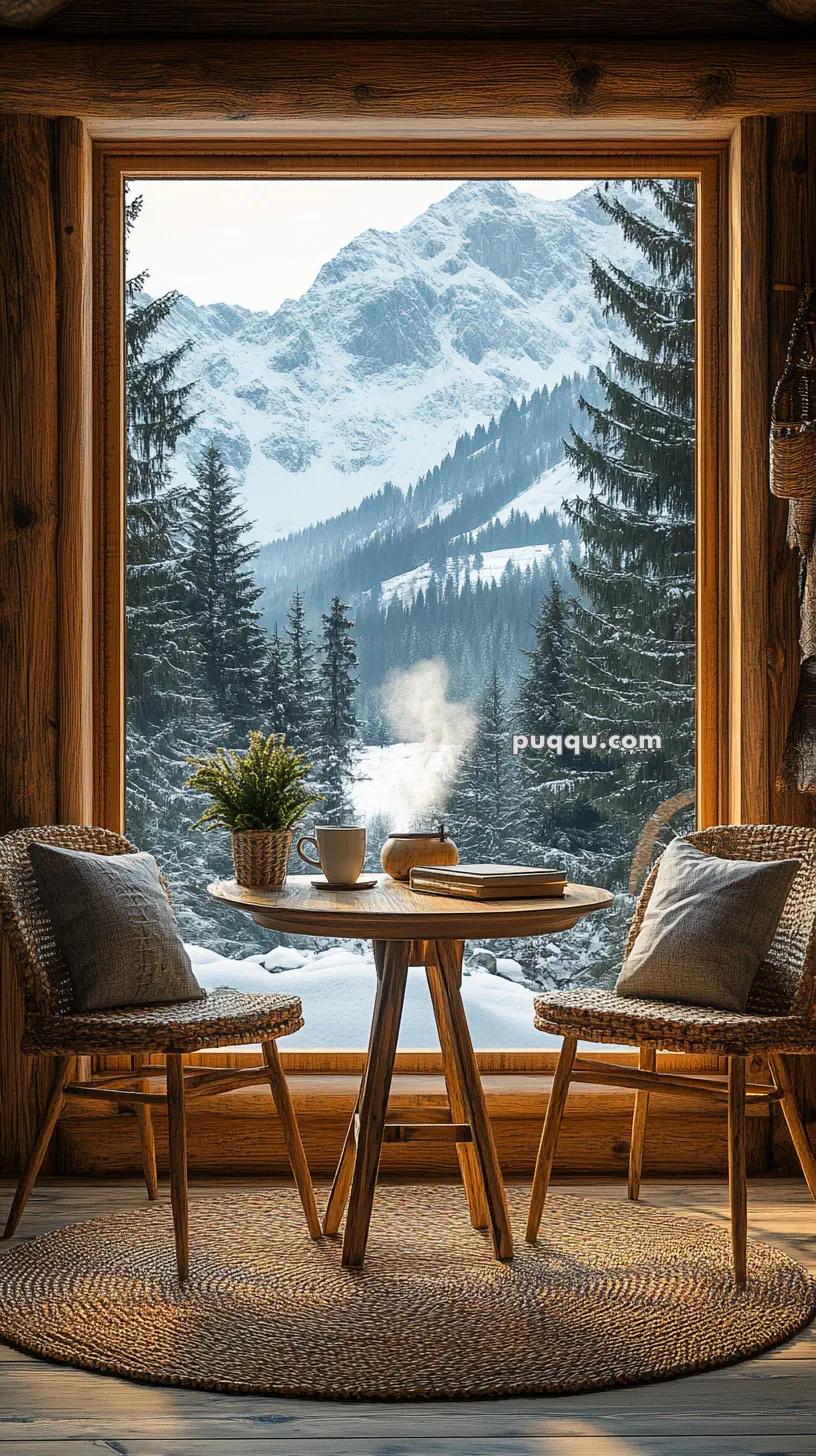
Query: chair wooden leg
{"points": [[646, 1061], [737, 1183], [392, 973], [780, 1071], [177, 1137], [549, 1136], [144, 1120], [291, 1136], [53, 1107], [468, 1161]]}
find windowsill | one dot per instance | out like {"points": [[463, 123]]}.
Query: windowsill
{"points": [[238, 1132]]}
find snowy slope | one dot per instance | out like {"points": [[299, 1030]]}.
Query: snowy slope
{"points": [[406, 586], [548, 493], [404, 340]]}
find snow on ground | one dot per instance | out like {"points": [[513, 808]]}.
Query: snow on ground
{"points": [[337, 986], [548, 493], [386, 779], [337, 992]]}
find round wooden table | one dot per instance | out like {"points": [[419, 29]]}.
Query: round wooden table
{"points": [[409, 928]]}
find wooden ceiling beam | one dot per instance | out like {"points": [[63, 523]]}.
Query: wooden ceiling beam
{"points": [[349, 84], [28, 14], [802, 11], [637, 18]]}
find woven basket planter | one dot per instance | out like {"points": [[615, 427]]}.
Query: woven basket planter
{"points": [[793, 417], [260, 857]]}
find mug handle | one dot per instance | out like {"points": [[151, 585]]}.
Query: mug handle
{"points": [[309, 839]]}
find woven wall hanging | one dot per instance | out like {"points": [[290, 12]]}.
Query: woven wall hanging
{"points": [[793, 478]]}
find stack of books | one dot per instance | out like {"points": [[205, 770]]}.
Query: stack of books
{"points": [[489, 881]]}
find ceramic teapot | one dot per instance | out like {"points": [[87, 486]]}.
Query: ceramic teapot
{"points": [[403, 852]]}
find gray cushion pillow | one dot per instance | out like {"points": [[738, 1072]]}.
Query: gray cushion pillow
{"points": [[114, 927], [707, 928]]}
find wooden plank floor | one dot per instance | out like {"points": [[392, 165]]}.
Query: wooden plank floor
{"points": [[765, 1407]]}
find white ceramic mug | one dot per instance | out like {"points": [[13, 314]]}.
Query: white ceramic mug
{"points": [[340, 852]]}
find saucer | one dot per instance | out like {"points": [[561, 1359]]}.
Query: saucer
{"points": [[364, 883]]}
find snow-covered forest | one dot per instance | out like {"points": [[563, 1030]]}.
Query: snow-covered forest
{"points": [[535, 577]]}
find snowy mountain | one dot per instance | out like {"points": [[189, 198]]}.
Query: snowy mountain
{"points": [[404, 340]]}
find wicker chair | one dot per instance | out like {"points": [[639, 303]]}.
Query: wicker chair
{"points": [[53, 1029], [778, 1021]]}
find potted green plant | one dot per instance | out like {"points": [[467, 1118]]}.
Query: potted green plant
{"points": [[259, 795]]}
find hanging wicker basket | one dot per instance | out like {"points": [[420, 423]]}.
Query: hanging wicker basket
{"points": [[793, 417], [261, 857]]}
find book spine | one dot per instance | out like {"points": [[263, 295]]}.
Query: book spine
{"points": [[418, 876], [482, 892], [458, 892]]}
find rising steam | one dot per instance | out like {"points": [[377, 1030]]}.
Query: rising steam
{"points": [[415, 701]]}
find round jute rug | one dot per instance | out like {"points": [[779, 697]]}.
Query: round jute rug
{"points": [[613, 1294]]}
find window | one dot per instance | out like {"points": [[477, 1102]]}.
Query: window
{"points": [[434, 437]]}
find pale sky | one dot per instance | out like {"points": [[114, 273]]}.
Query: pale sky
{"points": [[258, 242]]}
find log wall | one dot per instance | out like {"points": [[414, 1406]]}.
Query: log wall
{"points": [[45, 385]]}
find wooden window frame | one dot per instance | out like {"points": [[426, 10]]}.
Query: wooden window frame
{"points": [[703, 161]]}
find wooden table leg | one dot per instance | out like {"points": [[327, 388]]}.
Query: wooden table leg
{"points": [[448, 960], [468, 1161], [392, 958], [341, 1185]]}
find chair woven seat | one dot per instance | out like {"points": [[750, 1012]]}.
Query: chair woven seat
{"points": [[603, 1016], [226, 1017], [779, 1021], [54, 1027]]}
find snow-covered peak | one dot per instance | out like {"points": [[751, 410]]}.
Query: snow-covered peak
{"points": [[404, 340]]}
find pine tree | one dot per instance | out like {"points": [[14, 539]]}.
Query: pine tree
{"points": [[543, 689], [633, 632], [277, 684], [161, 676], [337, 722], [170, 715], [224, 595], [162, 682], [484, 807], [302, 691], [559, 816]]}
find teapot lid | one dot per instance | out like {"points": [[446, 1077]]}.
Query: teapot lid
{"points": [[438, 833]]}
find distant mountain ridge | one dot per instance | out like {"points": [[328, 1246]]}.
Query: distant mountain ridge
{"points": [[404, 341], [486, 495]]}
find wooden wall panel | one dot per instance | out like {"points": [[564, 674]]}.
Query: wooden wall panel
{"points": [[72, 204], [29, 460], [239, 1133], [748, 422], [792, 259], [45, 525], [791, 234]]}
